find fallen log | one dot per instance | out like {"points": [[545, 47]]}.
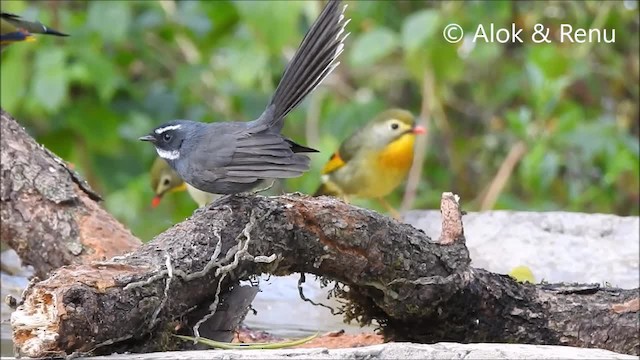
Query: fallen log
{"points": [[50, 216], [417, 289]]}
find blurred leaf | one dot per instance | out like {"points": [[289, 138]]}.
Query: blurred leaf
{"points": [[622, 162], [549, 59], [245, 63], [104, 75], [569, 119], [273, 23], [50, 80], [190, 14], [447, 65], [111, 19], [97, 130], [531, 166], [13, 79], [372, 46], [519, 122], [418, 28]]}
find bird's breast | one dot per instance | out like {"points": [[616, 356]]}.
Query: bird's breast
{"points": [[398, 155], [375, 174]]}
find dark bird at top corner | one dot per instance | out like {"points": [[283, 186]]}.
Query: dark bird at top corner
{"points": [[15, 29]]}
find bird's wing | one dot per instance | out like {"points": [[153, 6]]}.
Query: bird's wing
{"points": [[34, 27], [9, 32], [346, 152], [266, 155], [335, 162], [241, 157]]}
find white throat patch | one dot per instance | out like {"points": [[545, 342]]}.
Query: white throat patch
{"points": [[168, 155], [167, 128]]}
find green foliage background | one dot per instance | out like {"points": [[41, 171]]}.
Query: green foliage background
{"points": [[132, 65]]}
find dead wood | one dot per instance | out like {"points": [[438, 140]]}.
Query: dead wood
{"points": [[419, 290], [50, 216]]}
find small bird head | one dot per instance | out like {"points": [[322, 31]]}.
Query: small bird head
{"points": [[392, 125], [163, 180], [168, 138]]}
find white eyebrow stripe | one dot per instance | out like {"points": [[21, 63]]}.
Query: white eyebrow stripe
{"points": [[168, 155], [167, 128]]}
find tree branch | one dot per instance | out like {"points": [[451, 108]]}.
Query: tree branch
{"points": [[50, 216]]}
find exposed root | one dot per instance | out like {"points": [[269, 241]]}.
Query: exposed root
{"points": [[257, 191], [212, 310], [154, 318], [242, 253], [210, 265], [304, 298]]}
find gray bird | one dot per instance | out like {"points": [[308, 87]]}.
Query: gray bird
{"points": [[233, 157]]}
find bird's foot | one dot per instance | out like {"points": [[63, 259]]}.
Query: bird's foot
{"points": [[392, 211]]}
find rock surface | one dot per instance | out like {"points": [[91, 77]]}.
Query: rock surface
{"points": [[556, 246], [391, 351]]}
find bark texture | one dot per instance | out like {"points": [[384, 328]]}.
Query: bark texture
{"points": [[49, 215], [419, 290]]}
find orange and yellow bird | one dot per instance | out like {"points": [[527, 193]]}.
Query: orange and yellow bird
{"points": [[15, 29], [374, 160]]}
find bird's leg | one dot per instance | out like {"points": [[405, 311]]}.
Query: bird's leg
{"points": [[265, 188], [396, 215]]}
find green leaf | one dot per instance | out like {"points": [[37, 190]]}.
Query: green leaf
{"points": [[50, 79], [191, 15], [530, 168], [104, 75], [111, 19], [445, 61], [622, 162], [95, 127], [569, 119], [549, 58], [273, 23], [13, 78], [246, 63], [372, 46], [519, 121], [418, 28]]}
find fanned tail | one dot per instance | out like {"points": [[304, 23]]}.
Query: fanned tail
{"points": [[312, 63]]}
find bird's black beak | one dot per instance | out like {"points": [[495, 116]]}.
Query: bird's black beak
{"points": [[147, 138]]}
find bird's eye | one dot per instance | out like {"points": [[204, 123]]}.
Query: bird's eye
{"points": [[394, 126], [166, 182], [166, 136]]}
